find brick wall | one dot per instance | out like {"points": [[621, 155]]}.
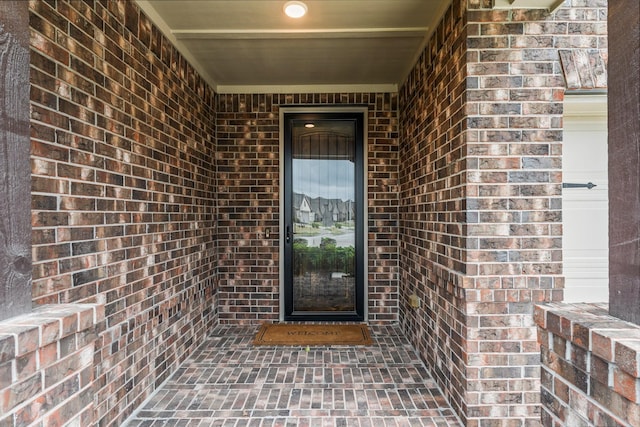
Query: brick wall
{"points": [[46, 366], [481, 198], [248, 162], [464, 206], [590, 366], [123, 209], [432, 207]]}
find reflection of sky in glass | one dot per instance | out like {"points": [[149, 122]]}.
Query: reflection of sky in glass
{"points": [[330, 179]]}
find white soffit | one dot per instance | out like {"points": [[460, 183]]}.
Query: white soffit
{"points": [[249, 46]]}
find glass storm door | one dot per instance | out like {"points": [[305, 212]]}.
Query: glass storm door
{"points": [[323, 220]]}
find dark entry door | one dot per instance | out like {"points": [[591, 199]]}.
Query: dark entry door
{"points": [[323, 216]]}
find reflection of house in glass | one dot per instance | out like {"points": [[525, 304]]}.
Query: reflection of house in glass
{"points": [[325, 211], [303, 210]]}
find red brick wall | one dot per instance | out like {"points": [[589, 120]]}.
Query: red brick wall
{"points": [[131, 150], [590, 366], [432, 208], [248, 194], [123, 208], [46, 366], [481, 121]]}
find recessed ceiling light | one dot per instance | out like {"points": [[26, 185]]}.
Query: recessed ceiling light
{"points": [[295, 9], [309, 125]]}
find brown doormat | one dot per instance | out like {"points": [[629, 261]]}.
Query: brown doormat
{"points": [[302, 334]]}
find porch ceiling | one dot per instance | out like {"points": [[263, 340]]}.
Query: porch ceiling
{"points": [[251, 46]]}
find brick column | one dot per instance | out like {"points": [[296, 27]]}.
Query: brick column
{"points": [[481, 185], [514, 102]]}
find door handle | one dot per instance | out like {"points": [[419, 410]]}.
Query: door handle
{"points": [[288, 234], [588, 185]]}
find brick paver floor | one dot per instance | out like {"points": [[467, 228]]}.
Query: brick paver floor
{"points": [[230, 382]]}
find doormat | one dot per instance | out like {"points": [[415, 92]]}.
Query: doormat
{"points": [[304, 335]]}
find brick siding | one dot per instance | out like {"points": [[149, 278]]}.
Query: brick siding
{"points": [[590, 366], [46, 366], [145, 183], [481, 174], [432, 209], [248, 163], [123, 209]]}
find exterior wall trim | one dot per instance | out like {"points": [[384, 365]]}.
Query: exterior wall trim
{"points": [[284, 89], [585, 105]]}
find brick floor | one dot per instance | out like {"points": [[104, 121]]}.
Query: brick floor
{"points": [[230, 382]]}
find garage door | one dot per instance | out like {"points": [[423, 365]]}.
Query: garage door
{"points": [[585, 207]]}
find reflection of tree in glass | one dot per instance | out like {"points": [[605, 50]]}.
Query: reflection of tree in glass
{"points": [[326, 258], [328, 243]]}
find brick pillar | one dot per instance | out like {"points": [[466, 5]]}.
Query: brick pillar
{"points": [[624, 160], [513, 208]]}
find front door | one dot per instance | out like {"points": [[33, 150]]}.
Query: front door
{"points": [[323, 220]]}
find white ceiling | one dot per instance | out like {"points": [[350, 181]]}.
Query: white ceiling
{"points": [[251, 46]]}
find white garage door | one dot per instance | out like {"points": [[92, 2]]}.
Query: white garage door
{"points": [[585, 211]]}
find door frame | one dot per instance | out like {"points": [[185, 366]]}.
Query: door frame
{"points": [[362, 210]]}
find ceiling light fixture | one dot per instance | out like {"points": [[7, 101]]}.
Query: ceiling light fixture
{"points": [[309, 125], [295, 9]]}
